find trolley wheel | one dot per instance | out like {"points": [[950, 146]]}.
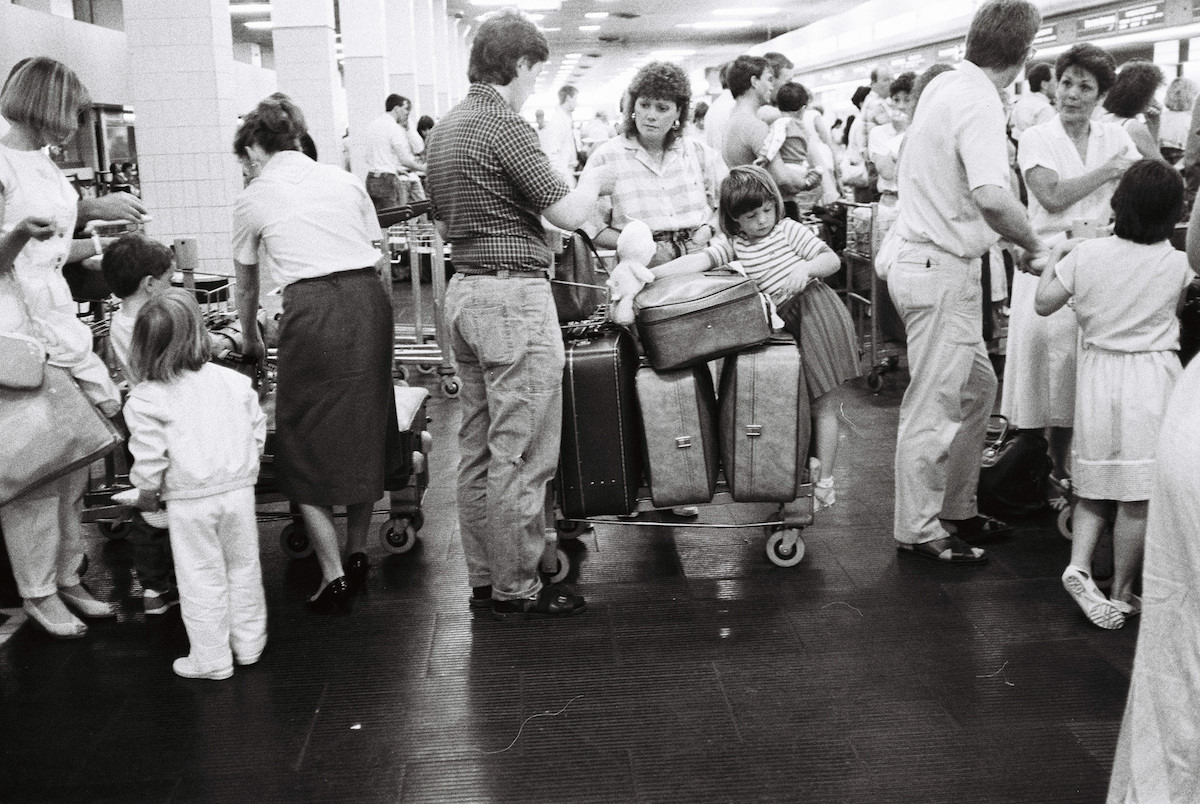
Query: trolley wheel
{"points": [[567, 528], [398, 535], [560, 571], [1065, 523], [401, 373], [114, 530], [450, 386], [785, 548], [426, 368], [875, 381], [294, 541]]}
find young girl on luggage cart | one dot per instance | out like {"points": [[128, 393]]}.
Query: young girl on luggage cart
{"points": [[787, 261]]}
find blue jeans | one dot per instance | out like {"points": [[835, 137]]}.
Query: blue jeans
{"points": [[506, 340], [943, 418]]}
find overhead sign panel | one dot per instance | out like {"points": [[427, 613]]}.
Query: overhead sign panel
{"points": [[1121, 19]]}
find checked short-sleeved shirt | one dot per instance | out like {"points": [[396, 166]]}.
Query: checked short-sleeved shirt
{"points": [[489, 182]]}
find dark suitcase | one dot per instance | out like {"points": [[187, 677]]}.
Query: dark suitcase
{"points": [[600, 462], [680, 425], [688, 319], [765, 423], [1014, 468]]}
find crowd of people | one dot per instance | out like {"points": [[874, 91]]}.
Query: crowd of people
{"points": [[1091, 354]]}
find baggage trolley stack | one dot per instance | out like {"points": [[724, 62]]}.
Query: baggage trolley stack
{"points": [[637, 439], [867, 295], [422, 344]]}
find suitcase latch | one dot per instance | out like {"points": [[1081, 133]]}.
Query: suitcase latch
{"points": [[753, 430], [683, 442]]}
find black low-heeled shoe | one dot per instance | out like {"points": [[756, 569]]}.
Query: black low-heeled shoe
{"points": [[357, 569], [333, 599]]}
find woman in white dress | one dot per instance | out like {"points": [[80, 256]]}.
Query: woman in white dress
{"points": [[1071, 166]]}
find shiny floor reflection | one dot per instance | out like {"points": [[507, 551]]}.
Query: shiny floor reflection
{"points": [[699, 673]]}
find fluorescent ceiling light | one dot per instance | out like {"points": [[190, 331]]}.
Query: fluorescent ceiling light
{"points": [[745, 12], [716, 25], [258, 25], [573, 56], [596, 15], [549, 30], [523, 5], [536, 17], [249, 8], [589, 28]]}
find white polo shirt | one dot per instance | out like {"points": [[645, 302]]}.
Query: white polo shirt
{"points": [[386, 141], [956, 144], [312, 219]]}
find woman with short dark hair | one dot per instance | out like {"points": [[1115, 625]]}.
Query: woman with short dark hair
{"points": [[1071, 165], [316, 225], [1132, 94]]}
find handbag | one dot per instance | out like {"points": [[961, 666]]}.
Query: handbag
{"points": [[577, 286], [22, 362], [49, 431], [1014, 468]]}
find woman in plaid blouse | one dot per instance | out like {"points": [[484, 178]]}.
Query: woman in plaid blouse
{"points": [[667, 180]]}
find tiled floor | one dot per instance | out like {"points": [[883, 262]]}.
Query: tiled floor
{"points": [[700, 672]]}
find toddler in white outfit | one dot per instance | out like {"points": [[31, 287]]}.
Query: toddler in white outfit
{"points": [[196, 435]]}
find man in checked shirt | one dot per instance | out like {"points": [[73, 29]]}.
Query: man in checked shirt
{"points": [[490, 183]]}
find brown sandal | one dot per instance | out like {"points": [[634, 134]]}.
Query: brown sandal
{"points": [[957, 551]]}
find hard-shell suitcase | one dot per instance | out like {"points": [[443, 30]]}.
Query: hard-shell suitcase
{"points": [[600, 462], [688, 319], [679, 418], [765, 425]]}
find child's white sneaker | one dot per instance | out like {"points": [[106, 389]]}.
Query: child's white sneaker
{"points": [[1098, 608], [185, 666]]}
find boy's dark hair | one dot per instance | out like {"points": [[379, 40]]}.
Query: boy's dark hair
{"points": [[743, 69], [792, 97], [393, 101], [1148, 202], [745, 189], [500, 43], [860, 95], [1038, 74], [132, 258], [1093, 60]]}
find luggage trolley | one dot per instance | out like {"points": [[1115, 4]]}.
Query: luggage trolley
{"points": [[420, 344], [866, 294], [616, 482]]}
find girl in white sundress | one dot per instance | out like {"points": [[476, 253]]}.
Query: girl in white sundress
{"points": [[1126, 291]]}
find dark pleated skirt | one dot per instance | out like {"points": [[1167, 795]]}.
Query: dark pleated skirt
{"points": [[824, 332], [334, 389]]}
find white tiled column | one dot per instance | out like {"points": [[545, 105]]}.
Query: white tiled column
{"points": [[402, 49], [365, 67], [306, 69], [441, 35], [181, 82], [458, 60], [426, 60]]}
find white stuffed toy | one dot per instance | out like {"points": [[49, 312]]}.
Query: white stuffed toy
{"points": [[635, 249]]}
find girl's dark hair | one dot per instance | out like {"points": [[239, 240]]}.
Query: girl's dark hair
{"points": [[1134, 88], [1148, 202], [169, 338], [275, 125], [1096, 62], [500, 44], [745, 189], [660, 80]]}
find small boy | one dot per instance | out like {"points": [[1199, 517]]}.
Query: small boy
{"points": [[136, 269], [787, 138]]}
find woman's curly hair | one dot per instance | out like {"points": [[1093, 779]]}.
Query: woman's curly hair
{"points": [[1134, 88], [660, 80]]}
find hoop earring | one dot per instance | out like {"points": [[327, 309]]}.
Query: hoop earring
{"points": [[675, 125]]}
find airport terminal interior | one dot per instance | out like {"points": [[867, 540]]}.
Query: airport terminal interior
{"points": [[711, 664]]}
